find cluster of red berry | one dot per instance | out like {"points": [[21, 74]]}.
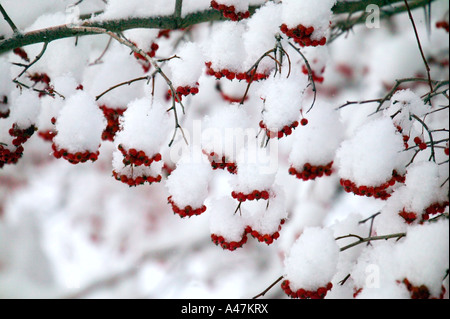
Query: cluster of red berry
{"points": [[434, 209], [138, 180], [255, 195], [320, 293], [409, 217], [184, 91], [311, 172], [442, 25], [21, 53], [10, 157], [422, 291], [138, 158], [112, 117], [230, 75], [420, 143], [372, 191], [49, 134], [20, 137], [285, 131], [41, 78], [406, 137], [187, 211], [265, 238], [229, 12], [146, 65], [74, 158], [220, 240], [218, 162], [317, 76], [302, 35]]}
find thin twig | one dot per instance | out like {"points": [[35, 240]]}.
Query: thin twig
{"points": [[102, 54], [364, 240], [147, 77], [310, 75], [37, 58], [432, 157], [8, 19], [268, 288], [420, 45]]}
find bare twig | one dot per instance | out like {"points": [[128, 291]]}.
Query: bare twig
{"points": [[268, 288], [310, 75], [368, 239], [102, 54], [8, 19], [420, 46], [425, 126], [37, 58], [148, 78]]}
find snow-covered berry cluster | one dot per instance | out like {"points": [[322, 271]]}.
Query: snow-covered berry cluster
{"points": [[221, 162], [255, 195], [137, 157], [301, 293], [422, 291], [303, 35], [251, 76], [79, 126], [231, 9], [380, 191], [285, 131], [311, 172]]}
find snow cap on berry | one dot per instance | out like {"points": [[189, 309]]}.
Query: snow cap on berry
{"points": [[262, 28], [423, 256], [224, 130], [254, 170], [226, 35], [189, 181], [144, 126], [266, 217], [25, 108], [317, 142], [79, 124], [225, 222], [187, 68], [283, 99], [312, 260], [371, 155], [308, 13], [405, 104]]}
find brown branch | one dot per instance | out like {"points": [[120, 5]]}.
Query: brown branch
{"points": [[147, 77]]}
